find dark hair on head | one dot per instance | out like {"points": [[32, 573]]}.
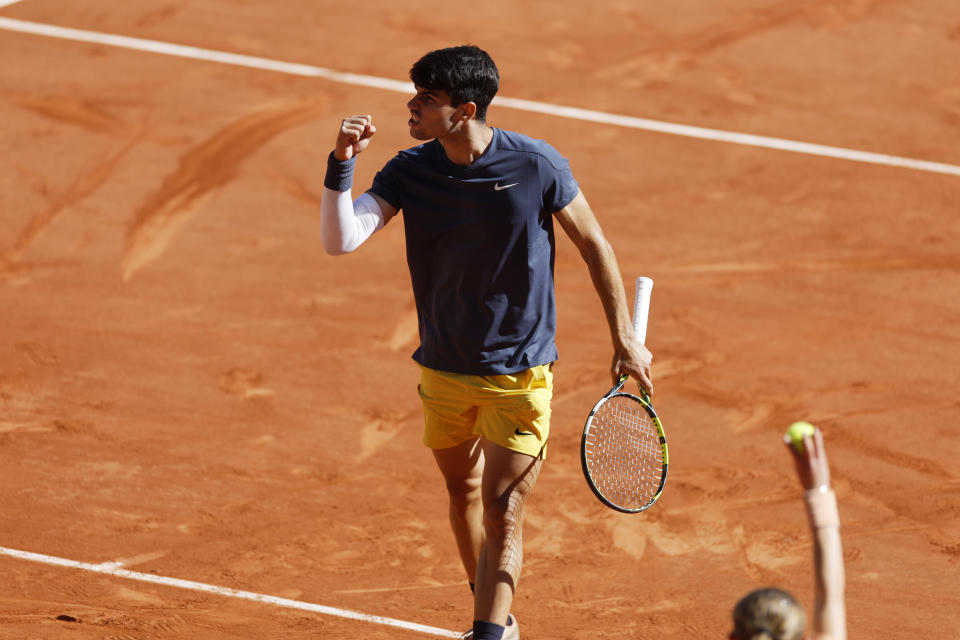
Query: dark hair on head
{"points": [[466, 73], [768, 614]]}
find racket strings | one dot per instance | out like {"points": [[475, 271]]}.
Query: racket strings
{"points": [[623, 452]]}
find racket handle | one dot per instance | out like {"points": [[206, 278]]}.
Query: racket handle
{"points": [[641, 307]]}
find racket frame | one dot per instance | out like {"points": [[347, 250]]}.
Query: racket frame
{"points": [[644, 402], [641, 312]]}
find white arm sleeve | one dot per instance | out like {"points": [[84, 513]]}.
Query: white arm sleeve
{"points": [[344, 223]]}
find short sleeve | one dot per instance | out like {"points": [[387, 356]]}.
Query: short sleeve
{"points": [[387, 186], [559, 185]]}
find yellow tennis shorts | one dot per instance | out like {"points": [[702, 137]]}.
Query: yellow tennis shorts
{"points": [[512, 410]]}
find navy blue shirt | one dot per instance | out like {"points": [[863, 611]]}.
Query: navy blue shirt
{"points": [[480, 248]]}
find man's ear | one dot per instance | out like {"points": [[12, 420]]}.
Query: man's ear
{"points": [[467, 110]]}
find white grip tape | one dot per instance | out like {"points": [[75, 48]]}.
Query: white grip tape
{"points": [[641, 307]]}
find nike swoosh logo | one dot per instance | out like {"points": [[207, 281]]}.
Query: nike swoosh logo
{"points": [[523, 433], [499, 187]]}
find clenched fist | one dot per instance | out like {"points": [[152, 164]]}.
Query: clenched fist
{"points": [[354, 136]]}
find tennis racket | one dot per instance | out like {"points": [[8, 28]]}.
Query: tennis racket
{"points": [[623, 449]]}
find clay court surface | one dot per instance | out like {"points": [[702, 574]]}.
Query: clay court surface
{"points": [[191, 388]]}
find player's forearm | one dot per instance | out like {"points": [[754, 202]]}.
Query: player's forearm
{"points": [[830, 612], [345, 223], [829, 616], [605, 274]]}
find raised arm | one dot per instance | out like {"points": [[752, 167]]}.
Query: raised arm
{"points": [[346, 223], [630, 356], [829, 615]]}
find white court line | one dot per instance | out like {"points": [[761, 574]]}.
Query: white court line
{"points": [[112, 568], [588, 115], [7, 3]]}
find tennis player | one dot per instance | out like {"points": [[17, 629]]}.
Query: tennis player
{"points": [[479, 205], [773, 614]]}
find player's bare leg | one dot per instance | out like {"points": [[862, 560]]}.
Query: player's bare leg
{"points": [[462, 469], [508, 478]]}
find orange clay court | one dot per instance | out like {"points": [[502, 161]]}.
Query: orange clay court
{"points": [[191, 390]]}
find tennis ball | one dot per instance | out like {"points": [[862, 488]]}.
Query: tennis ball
{"points": [[795, 433]]}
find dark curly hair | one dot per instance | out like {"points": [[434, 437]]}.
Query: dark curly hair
{"points": [[466, 73]]}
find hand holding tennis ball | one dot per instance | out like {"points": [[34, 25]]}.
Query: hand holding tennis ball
{"points": [[811, 462], [796, 432]]}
